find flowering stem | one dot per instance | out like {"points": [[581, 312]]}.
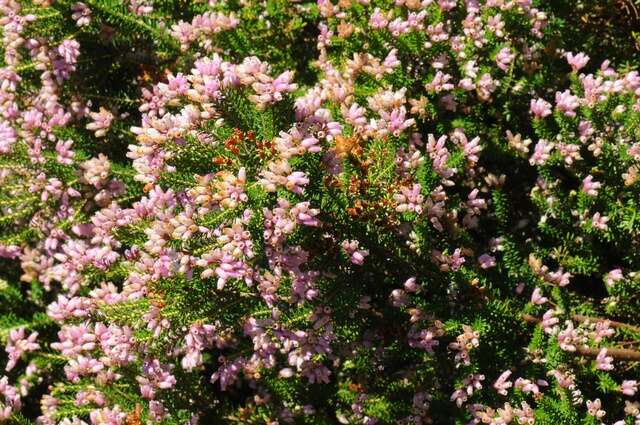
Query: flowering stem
{"points": [[612, 323], [617, 353]]}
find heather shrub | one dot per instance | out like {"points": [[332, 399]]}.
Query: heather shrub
{"points": [[366, 211]]}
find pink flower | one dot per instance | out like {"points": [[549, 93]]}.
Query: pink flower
{"points": [[567, 103], [607, 70], [629, 388], [486, 261], [108, 416], [141, 7], [614, 276], [464, 342], [504, 58], [11, 399], [604, 362], [537, 298], [410, 199], [18, 345], [439, 154], [447, 4], [502, 384], [280, 173], [81, 14], [9, 251], [599, 221], [590, 186], [570, 152], [470, 384], [410, 285], [559, 277], [156, 376], [594, 409], [541, 152], [101, 122], [525, 415], [355, 115], [7, 137], [440, 83], [528, 386], [270, 90], [203, 25], [378, 20], [603, 330], [69, 50], [486, 85], [471, 148], [549, 321], [397, 121], [82, 366], [578, 61], [565, 380], [540, 108], [567, 337], [391, 60], [356, 255], [586, 130], [398, 27], [65, 154], [399, 298]]}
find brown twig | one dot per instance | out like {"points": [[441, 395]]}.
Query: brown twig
{"points": [[531, 319], [616, 353]]}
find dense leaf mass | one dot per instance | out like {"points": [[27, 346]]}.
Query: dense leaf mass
{"points": [[296, 212]]}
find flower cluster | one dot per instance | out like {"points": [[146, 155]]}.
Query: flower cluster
{"points": [[428, 216]]}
